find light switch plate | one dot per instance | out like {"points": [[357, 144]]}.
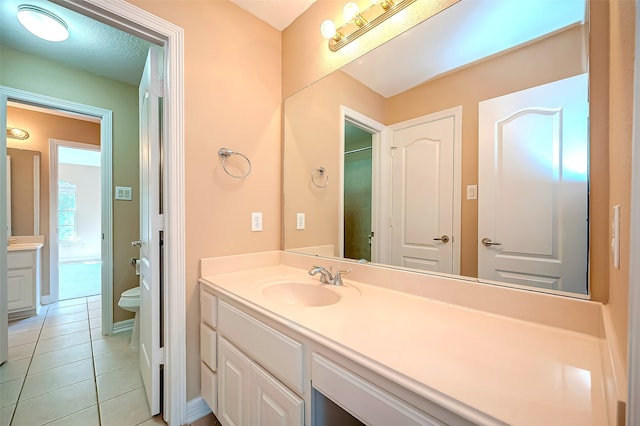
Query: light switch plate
{"points": [[299, 220], [256, 221], [472, 192], [123, 193]]}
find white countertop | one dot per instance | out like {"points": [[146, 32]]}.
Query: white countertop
{"points": [[24, 246], [515, 371]]}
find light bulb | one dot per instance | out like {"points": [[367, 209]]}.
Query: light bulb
{"points": [[328, 29], [350, 11]]}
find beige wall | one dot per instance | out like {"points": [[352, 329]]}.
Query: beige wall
{"points": [[312, 124], [232, 96], [545, 61], [622, 42], [41, 127], [37, 75]]}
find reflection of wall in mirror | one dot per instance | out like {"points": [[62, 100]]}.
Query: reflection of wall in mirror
{"points": [[22, 194], [553, 58]]}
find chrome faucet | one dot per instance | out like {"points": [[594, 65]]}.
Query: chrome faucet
{"points": [[326, 276]]}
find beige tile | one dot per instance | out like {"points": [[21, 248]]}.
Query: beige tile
{"points": [[74, 309], [154, 421], [95, 305], [114, 360], [209, 420], [61, 342], [111, 343], [129, 409], [23, 338], [22, 326], [117, 382], [60, 357], [9, 392], [12, 370], [95, 313], [87, 417], [65, 319], [95, 322], [68, 302], [21, 351], [96, 333], [59, 330], [56, 378], [96, 298], [5, 415], [55, 405]]}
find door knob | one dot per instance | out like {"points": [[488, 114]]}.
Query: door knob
{"points": [[488, 243], [444, 239], [136, 243]]}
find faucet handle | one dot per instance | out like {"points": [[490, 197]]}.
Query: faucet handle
{"points": [[337, 279]]}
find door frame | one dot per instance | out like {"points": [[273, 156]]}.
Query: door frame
{"points": [[456, 114], [106, 137], [376, 129], [143, 24], [106, 216]]}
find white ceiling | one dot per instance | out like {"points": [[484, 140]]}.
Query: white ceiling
{"points": [[277, 13]]}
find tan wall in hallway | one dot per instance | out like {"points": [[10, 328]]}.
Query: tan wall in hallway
{"points": [[37, 75], [41, 127], [232, 93]]}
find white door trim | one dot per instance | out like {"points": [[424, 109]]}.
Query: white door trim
{"points": [[106, 215], [141, 23], [4, 322], [376, 129], [456, 113], [633, 398], [106, 129]]}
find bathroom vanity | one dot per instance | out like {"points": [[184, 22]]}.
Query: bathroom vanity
{"points": [[393, 347], [23, 284]]}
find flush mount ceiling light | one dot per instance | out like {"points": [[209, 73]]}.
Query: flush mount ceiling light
{"points": [[15, 133], [359, 22], [42, 23]]}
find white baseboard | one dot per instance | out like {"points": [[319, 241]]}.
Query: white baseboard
{"points": [[197, 409], [119, 327], [46, 300]]}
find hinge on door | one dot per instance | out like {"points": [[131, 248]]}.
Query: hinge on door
{"points": [[159, 222], [161, 353], [393, 150]]}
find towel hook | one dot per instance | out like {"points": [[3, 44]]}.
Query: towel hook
{"points": [[320, 172], [224, 154]]}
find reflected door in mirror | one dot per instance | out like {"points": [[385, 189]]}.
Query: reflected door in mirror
{"points": [[423, 195], [532, 216]]}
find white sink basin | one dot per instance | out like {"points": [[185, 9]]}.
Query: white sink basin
{"points": [[294, 293]]}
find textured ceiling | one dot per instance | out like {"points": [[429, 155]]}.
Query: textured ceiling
{"points": [[91, 46]]}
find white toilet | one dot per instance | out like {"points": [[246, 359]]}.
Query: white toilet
{"points": [[130, 301]]}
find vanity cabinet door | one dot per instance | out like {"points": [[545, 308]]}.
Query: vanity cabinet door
{"points": [[20, 289], [234, 370], [273, 403]]}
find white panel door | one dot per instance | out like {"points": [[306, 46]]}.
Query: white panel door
{"points": [[422, 196], [533, 164], [150, 92]]}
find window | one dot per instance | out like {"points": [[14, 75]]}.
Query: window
{"points": [[66, 211]]}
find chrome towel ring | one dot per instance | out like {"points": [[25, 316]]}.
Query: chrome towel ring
{"points": [[319, 175], [225, 153]]}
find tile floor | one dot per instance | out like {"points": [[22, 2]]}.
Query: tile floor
{"points": [[79, 279], [62, 371]]}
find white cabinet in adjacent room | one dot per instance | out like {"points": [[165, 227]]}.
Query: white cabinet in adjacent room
{"points": [[23, 283]]}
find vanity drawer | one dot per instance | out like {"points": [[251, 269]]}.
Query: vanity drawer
{"points": [[277, 353], [209, 387], [364, 400], [21, 259], [208, 341], [209, 309]]}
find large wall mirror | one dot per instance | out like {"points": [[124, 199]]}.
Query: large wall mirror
{"points": [[24, 191], [459, 147]]}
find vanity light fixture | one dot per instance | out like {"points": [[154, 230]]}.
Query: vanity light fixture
{"points": [[15, 133], [42, 23], [359, 22]]}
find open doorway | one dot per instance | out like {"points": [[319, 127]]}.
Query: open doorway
{"points": [[75, 201]]}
